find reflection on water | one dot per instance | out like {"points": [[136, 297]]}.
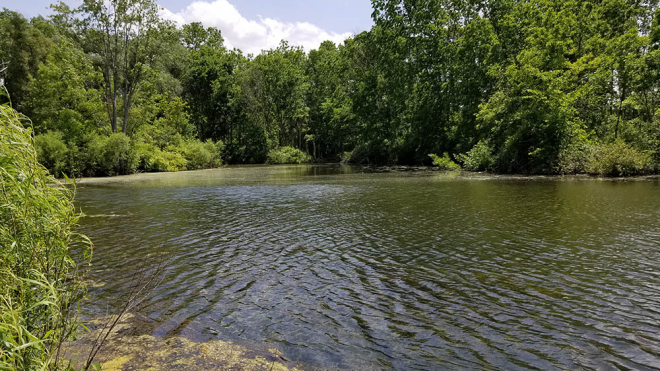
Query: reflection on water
{"points": [[350, 268]]}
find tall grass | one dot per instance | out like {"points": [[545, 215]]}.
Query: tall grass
{"points": [[40, 286]]}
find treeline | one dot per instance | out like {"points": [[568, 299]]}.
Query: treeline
{"points": [[525, 86]]}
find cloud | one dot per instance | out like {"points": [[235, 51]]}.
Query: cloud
{"points": [[251, 36]]}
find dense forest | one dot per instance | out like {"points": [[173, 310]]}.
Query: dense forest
{"points": [[524, 86]]}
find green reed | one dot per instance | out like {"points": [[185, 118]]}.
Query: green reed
{"points": [[40, 285]]}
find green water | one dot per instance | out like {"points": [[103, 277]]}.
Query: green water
{"points": [[347, 268]]}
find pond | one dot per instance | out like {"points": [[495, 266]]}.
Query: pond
{"points": [[350, 268]]}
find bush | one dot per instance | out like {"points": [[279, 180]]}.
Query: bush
{"points": [[346, 157], [118, 156], [617, 159], [167, 161], [185, 156], [444, 162], [479, 158], [39, 283], [288, 155], [573, 158], [53, 153], [152, 159], [144, 154], [109, 155], [202, 155]]}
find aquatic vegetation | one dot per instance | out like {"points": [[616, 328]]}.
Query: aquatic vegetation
{"points": [[129, 350]]}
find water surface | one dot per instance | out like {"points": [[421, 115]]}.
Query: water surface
{"points": [[347, 268]]}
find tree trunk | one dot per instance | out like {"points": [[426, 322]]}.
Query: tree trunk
{"points": [[114, 112], [127, 107], [618, 118]]}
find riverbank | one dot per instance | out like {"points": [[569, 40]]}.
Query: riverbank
{"points": [[324, 168]]}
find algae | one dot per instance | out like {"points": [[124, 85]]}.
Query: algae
{"points": [[128, 350]]}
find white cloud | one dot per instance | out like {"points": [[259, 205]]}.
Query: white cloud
{"points": [[251, 36]]}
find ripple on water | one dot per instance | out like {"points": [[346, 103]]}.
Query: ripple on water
{"points": [[406, 271]]}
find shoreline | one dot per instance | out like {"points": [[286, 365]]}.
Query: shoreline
{"points": [[380, 169]]}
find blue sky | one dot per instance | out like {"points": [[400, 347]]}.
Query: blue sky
{"points": [[252, 25]]}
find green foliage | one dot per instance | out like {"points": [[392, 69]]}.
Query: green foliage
{"points": [[444, 162], [610, 159], [479, 158], [288, 155], [203, 155], [533, 83], [573, 158], [184, 155], [109, 155], [118, 157], [39, 282], [24, 46], [68, 75], [618, 159], [346, 157], [166, 161], [126, 36], [53, 153]]}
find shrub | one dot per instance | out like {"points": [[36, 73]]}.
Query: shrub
{"points": [[144, 153], [573, 158], [203, 155], [109, 155], [94, 146], [288, 155], [167, 161], [118, 156], [152, 159], [53, 153], [39, 282], [617, 159], [346, 157], [479, 158], [444, 162]]}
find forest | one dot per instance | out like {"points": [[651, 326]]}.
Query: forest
{"points": [[510, 86]]}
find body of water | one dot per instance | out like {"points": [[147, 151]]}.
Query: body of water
{"points": [[343, 267]]}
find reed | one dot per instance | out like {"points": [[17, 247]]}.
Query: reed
{"points": [[40, 284]]}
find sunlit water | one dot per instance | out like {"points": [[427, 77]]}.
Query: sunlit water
{"points": [[340, 267]]}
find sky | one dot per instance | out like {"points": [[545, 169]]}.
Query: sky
{"points": [[254, 25]]}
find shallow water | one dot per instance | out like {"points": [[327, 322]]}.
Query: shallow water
{"points": [[343, 267]]}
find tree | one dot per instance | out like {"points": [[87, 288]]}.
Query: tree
{"points": [[209, 81], [271, 91], [122, 33], [23, 48], [70, 76]]}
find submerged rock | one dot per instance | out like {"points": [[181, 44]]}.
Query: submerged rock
{"points": [[126, 350]]}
